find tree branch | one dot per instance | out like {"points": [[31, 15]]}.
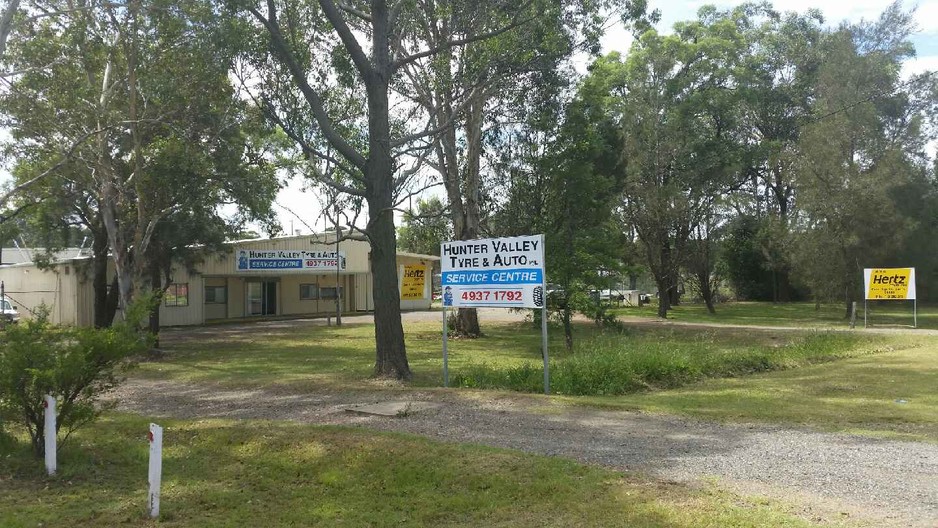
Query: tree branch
{"points": [[463, 41], [348, 39], [312, 96]]}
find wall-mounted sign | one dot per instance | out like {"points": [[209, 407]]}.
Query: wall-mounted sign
{"points": [[251, 260], [496, 272], [889, 283], [413, 283]]}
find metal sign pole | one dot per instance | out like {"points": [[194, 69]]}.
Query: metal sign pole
{"points": [[544, 349], [445, 352], [914, 313], [865, 309]]}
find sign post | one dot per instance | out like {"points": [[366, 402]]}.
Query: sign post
{"points": [[49, 433], [156, 469], [495, 273], [889, 284]]}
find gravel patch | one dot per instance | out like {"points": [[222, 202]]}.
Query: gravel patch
{"points": [[887, 483]]}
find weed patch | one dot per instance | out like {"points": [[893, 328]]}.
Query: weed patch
{"points": [[616, 364]]}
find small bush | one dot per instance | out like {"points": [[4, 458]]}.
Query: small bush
{"points": [[75, 365]]}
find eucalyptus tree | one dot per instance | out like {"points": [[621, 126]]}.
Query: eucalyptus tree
{"points": [[864, 143], [679, 136], [467, 90], [326, 72], [139, 96]]}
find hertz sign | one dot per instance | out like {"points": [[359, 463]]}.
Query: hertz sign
{"points": [[889, 283]]}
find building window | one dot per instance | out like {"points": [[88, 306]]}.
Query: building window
{"points": [[177, 295], [309, 292], [216, 294], [328, 293]]}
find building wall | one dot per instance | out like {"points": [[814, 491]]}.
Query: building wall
{"points": [[217, 310], [68, 291], [356, 255], [57, 289], [194, 312]]}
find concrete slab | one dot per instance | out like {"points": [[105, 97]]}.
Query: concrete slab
{"points": [[394, 408]]}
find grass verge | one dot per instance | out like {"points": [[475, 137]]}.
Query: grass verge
{"points": [[224, 473], [615, 364], [800, 314], [890, 395]]}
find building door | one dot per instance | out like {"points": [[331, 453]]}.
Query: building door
{"points": [[262, 298]]}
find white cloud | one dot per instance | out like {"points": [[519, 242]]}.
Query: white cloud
{"points": [[919, 65]]}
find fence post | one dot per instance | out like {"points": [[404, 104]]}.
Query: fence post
{"points": [[49, 432], [156, 468]]}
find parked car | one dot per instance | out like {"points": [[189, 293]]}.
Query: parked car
{"points": [[9, 313]]}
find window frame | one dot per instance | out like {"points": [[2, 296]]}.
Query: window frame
{"points": [[175, 287], [215, 296], [316, 297]]}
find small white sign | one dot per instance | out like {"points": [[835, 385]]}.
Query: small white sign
{"points": [[493, 272]]}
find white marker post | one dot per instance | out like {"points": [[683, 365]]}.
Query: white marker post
{"points": [[49, 433], [156, 468]]}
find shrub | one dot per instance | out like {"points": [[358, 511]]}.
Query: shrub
{"points": [[74, 365]]}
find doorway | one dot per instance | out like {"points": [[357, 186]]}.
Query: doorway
{"points": [[262, 298]]}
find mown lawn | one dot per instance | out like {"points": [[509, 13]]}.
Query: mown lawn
{"points": [[881, 314], [225, 473]]}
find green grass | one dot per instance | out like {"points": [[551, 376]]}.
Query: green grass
{"points": [[881, 314], [225, 473], [613, 364], [890, 394], [508, 357], [712, 373]]}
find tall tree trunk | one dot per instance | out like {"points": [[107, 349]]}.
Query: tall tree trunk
{"points": [[391, 354], [391, 358], [467, 319], [567, 328], [156, 286], [99, 256], [664, 277], [664, 300]]}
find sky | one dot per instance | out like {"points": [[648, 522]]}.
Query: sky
{"points": [[305, 204], [299, 210]]}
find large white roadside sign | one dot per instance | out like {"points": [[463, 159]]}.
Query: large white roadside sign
{"points": [[494, 272]]}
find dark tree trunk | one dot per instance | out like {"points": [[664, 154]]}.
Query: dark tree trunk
{"points": [[102, 316], [467, 323], [113, 301], [156, 286], [567, 329], [391, 358], [664, 300], [467, 320]]}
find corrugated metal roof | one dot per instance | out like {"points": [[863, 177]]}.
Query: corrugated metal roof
{"points": [[14, 255]]}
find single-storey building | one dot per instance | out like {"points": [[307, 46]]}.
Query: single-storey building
{"points": [[282, 276]]}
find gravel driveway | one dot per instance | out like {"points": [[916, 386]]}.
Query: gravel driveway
{"points": [[832, 476]]}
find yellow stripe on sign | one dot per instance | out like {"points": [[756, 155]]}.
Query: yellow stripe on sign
{"points": [[889, 283], [413, 282]]}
